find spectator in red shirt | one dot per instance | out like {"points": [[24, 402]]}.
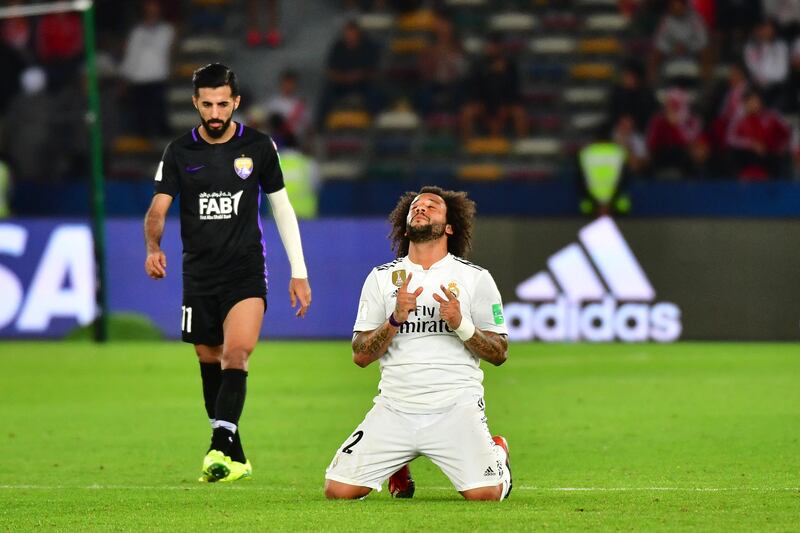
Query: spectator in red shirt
{"points": [[760, 139], [725, 103], [707, 9], [16, 32], [59, 47], [671, 133]]}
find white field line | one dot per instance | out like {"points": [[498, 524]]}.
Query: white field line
{"points": [[244, 486]]}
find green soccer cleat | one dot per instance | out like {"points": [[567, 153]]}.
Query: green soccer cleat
{"points": [[216, 466], [238, 471]]}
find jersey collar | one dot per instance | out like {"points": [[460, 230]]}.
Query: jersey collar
{"points": [[412, 266]]}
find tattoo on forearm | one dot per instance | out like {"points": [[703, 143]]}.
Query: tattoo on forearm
{"points": [[373, 344], [488, 346]]}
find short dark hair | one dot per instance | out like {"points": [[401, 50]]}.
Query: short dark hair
{"points": [[215, 75], [460, 216]]}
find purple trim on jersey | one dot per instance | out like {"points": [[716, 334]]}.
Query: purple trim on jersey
{"points": [[194, 134], [263, 242], [241, 130]]}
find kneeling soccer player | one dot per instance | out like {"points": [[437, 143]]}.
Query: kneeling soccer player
{"points": [[429, 317]]}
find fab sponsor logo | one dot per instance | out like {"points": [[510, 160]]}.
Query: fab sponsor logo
{"points": [[219, 205]]}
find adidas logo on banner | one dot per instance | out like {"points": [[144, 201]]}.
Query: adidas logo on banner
{"points": [[594, 290]]}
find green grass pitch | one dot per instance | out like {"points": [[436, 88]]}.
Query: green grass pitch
{"points": [[649, 437]]}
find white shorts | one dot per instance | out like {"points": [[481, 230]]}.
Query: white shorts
{"points": [[457, 441]]}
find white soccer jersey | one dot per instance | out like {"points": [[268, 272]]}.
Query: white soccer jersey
{"points": [[427, 368]]}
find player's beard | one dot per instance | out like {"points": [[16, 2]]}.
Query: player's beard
{"points": [[216, 133], [425, 233]]}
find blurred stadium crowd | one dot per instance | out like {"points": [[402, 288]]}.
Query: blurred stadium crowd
{"points": [[441, 89]]}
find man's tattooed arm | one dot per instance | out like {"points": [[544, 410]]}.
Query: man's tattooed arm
{"points": [[489, 346], [369, 346]]}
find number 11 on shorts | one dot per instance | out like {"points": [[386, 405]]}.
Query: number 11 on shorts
{"points": [[186, 319]]}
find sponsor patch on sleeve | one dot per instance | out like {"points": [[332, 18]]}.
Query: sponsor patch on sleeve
{"points": [[362, 310], [158, 172], [497, 312]]}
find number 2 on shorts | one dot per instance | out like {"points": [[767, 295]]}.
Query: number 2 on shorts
{"points": [[349, 447]]}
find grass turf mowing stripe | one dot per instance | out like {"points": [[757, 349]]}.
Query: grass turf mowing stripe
{"points": [[292, 489]]}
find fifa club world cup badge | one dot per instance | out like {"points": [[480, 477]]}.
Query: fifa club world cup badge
{"points": [[398, 278], [453, 288], [243, 167]]}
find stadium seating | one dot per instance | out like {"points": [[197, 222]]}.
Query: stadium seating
{"points": [[480, 171], [537, 147], [578, 42], [340, 170], [348, 120], [512, 22], [488, 146], [417, 21], [376, 22], [568, 53]]}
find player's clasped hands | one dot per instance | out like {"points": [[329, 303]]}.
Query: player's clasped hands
{"points": [[406, 301], [156, 265], [449, 309]]}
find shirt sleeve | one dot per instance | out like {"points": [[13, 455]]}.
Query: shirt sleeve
{"points": [[167, 179], [487, 306], [271, 178], [371, 307]]}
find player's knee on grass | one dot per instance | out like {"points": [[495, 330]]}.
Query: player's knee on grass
{"points": [[484, 493], [334, 490]]}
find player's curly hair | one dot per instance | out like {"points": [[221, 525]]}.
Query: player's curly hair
{"points": [[460, 216]]}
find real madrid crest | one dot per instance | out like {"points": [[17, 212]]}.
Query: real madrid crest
{"points": [[453, 288], [398, 278], [243, 166]]}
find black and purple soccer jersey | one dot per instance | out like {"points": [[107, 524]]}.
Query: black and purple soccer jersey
{"points": [[220, 188]]}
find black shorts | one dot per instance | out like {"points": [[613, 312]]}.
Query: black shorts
{"points": [[202, 315]]}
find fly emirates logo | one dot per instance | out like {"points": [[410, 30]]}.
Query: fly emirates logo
{"points": [[595, 291], [219, 205], [426, 320]]}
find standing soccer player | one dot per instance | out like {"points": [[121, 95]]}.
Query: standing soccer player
{"points": [[220, 169], [429, 317]]}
